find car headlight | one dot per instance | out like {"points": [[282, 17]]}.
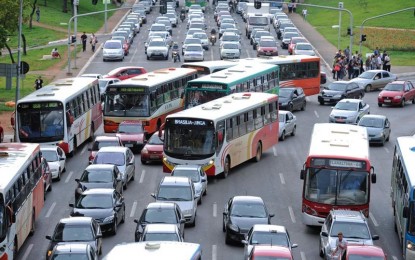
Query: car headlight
{"points": [[54, 170], [338, 96], [187, 212], [139, 142], [144, 150], [108, 219], [380, 134], [398, 97], [284, 104], [233, 227], [410, 246], [351, 117]]}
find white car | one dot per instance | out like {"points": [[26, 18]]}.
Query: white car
{"points": [[113, 50], [194, 52], [173, 18], [192, 31], [230, 37], [157, 48], [230, 50], [56, 159], [304, 48], [164, 35], [190, 40], [203, 38], [287, 123]]}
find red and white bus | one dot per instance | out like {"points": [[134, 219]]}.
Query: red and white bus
{"points": [[21, 195], [66, 113], [149, 97], [337, 172], [222, 133], [295, 70]]}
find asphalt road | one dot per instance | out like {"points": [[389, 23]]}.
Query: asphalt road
{"points": [[276, 178]]}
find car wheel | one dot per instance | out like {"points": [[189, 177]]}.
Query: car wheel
{"points": [[148, 58], [403, 103], [379, 104], [368, 88], [383, 142], [304, 105], [114, 227], [223, 226], [321, 251], [199, 202], [413, 100], [123, 215], [282, 138], [228, 240], [133, 176], [291, 107], [59, 176], [387, 139], [360, 96], [258, 155], [125, 185], [193, 224], [205, 192], [321, 102], [293, 132], [50, 187]]}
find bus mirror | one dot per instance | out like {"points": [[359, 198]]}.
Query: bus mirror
{"points": [[302, 174], [69, 119], [373, 178], [405, 212], [220, 137], [12, 121]]}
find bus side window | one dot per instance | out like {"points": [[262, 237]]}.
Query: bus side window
{"points": [[250, 122], [267, 115], [242, 124], [229, 130], [258, 118], [220, 135], [235, 125], [273, 112]]}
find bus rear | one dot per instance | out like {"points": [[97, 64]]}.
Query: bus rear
{"points": [[337, 173]]}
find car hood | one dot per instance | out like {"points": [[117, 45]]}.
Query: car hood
{"points": [[329, 92], [245, 224], [184, 205], [305, 52], [193, 53], [388, 93], [373, 130], [54, 165], [131, 137], [361, 80], [268, 48], [93, 213], [154, 148], [354, 241], [95, 185], [155, 48], [337, 112], [229, 50], [113, 50]]}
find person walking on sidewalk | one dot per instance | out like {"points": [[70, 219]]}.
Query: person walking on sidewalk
{"points": [[38, 83], [84, 38], [304, 12], [93, 42], [387, 63], [37, 14]]}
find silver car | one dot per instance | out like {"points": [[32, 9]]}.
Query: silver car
{"points": [[194, 52], [374, 79], [378, 128], [230, 50], [349, 111], [113, 50], [287, 124], [304, 48], [157, 48], [196, 174]]}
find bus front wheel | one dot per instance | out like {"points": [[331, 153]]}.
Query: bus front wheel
{"points": [[258, 155], [226, 168]]}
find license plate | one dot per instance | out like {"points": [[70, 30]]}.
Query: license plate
{"points": [[268, 53], [129, 145], [339, 120], [327, 99], [154, 156], [387, 101]]}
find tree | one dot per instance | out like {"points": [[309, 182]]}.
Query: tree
{"points": [[33, 6]]}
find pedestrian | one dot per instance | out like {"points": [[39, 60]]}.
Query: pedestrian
{"points": [[341, 245], [294, 7], [373, 62], [376, 51], [93, 42], [350, 67], [347, 53], [361, 64], [84, 38], [368, 62], [290, 7], [383, 59], [55, 53], [38, 83], [387, 62], [356, 67], [378, 62], [37, 14], [304, 14]]}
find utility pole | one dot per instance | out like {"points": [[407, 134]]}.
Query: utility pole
{"points": [[340, 25], [75, 28], [19, 52]]}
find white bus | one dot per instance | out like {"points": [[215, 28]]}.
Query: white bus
{"points": [[208, 67], [149, 97], [155, 251], [66, 113], [21, 195], [403, 193], [222, 133]]}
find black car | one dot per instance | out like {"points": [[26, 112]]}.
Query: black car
{"points": [[240, 214], [99, 176], [338, 90], [106, 206], [292, 99], [81, 229], [159, 212]]}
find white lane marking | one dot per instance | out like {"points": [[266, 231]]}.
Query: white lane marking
{"points": [[303, 255], [307, 99], [282, 178], [50, 210], [386, 149], [373, 219], [211, 52], [83, 150], [290, 209], [247, 53], [135, 52], [315, 113], [215, 210], [143, 173], [133, 208], [274, 149], [214, 252], [69, 177], [394, 257], [27, 253]]}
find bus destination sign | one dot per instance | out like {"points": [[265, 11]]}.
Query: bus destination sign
{"points": [[40, 105], [190, 122], [127, 89], [207, 86], [337, 163]]}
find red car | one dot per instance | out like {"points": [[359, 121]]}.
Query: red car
{"points": [[397, 93], [267, 47], [132, 134], [123, 73], [270, 252], [153, 149], [1, 134], [103, 141], [293, 42], [363, 252]]}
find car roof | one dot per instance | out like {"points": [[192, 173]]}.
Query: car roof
{"points": [[350, 100], [107, 137], [113, 149], [100, 167], [165, 228], [247, 199], [187, 167], [269, 228], [164, 205], [180, 181], [374, 116], [48, 148], [303, 43], [76, 220], [194, 44], [98, 191], [399, 82], [347, 215], [71, 247], [124, 67], [284, 112]]}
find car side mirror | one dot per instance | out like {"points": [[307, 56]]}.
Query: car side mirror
{"points": [[182, 221], [48, 237], [294, 245], [153, 195], [244, 242], [89, 149], [77, 180], [204, 180], [375, 237], [225, 213], [62, 158], [71, 205], [136, 221], [271, 215], [324, 234], [196, 197], [98, 236]]}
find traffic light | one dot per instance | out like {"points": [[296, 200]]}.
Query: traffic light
{"points": [[257, 4], [363, 38], [349, 31]]}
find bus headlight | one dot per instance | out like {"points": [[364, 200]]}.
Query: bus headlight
{"points": [[410, 246]]}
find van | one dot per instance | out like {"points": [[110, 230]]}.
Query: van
{"points": [[181, 191]]}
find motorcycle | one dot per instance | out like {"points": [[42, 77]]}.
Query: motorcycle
{"points": [[213, 39], [175, 56], [182, 16]]}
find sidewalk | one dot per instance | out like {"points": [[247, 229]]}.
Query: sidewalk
{"points": [[328, 50]]}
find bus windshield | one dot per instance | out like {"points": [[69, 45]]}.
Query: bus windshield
{"points": [[40, 122], [190, 142], [337, 187], [126, 105], [258, 20], [411, 219], [195, 97]]}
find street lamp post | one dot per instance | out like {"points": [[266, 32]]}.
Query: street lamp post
{"points": [[75, 28], [340, 25]]}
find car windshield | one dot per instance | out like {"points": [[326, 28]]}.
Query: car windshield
{"points": [[258, 20], [226, 25], [110, 158], [72, 233], [350, 230], [371, 122], [157, 44], [94, 201], [259, 34], [155, 139], [297, 40], [230, 46], [97, 176], [289, 35], [367, 75], [99, 144], [268, 44], [394, 87], [269, 238], [158, 28], [130, 128], [194, 48], [174, 193], [350, 106], [191, 173], [70, 256], [337, 86], [200, 35], [305, 47], [285, 93], [171, 15], [160, 215], [192, 41], [161, 237], [248, 210], [230, 38], [50, 156]]}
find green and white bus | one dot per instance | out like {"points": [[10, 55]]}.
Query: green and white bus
{"points": [[255, 77], [202, 4]]}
